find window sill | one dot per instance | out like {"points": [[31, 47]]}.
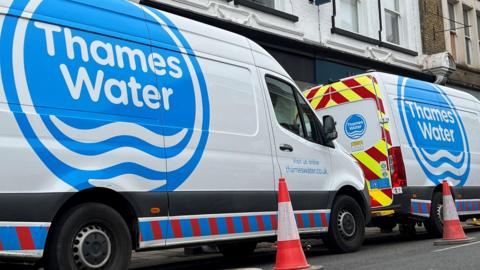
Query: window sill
{"points": [[373, 41], [265, 9], [398, 48]]}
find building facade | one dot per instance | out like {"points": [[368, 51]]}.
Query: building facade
{"points": [[321, 40], [462, 41]]}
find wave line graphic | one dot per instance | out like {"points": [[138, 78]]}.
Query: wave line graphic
{"points": [[443, 154], [111, 130]]}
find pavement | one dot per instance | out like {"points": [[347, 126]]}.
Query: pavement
{"points": [[392, 251]]}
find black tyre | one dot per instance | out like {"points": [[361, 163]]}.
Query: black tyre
{"points": [[237, 250], [434, 224], [346, 230], [89, 236]]}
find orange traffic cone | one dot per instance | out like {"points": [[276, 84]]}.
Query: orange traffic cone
{"points": [[289, 247], [452, 229]]}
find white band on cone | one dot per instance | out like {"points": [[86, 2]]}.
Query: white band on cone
{"points": [[287, 226], [449, 210]]}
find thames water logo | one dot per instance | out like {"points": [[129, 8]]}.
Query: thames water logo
{"points": [[355, 126], [104, 111], [434, 131]]}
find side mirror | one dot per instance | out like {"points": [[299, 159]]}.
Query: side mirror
{"points": [[329, 130]]}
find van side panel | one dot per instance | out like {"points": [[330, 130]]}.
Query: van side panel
{"points": [[438, 127], [226, 137], [63, 90]]}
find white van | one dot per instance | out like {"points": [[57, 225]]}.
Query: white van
{"points": [[407, 136], [124, 127]]}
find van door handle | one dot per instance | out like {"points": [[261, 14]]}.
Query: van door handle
{"points": [[286, 147]]}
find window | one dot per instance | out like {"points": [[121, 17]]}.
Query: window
{"points": [[451, 16], [392, 20], [309, 119], [266, 3], [453, 26], [284, 105], [348, 14], [468, 39], [478, 28], [292, 111]]}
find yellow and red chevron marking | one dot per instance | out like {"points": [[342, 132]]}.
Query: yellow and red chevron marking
{"points": [[355, 89]]}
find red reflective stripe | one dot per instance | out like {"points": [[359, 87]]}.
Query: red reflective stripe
{"points": [[388, 192], [299, 221], [428, 207], [260, 224], [195, 227], [157, 231], [311, 220], [387, 136], [246, 225], [230, 227], [376, 154], [419, 207], [374, 202], [323, 102], [177, 229], [273, 220], [213, 226], [140, 237], [25, 238], [1, 246], [338, 98], [312, 93], [367, 172], [323, 216]]}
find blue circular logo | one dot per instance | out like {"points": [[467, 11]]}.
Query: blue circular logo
{"points": [[434, 131], [101, 110], [355, 126]]}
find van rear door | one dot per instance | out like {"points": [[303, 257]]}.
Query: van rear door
{"points": [[356, 105]]}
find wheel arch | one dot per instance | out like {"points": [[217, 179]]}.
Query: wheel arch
{"points": [[104, 196], [356, 195]]}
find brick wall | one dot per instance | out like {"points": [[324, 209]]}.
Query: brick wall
{"points": [[433, 39]]}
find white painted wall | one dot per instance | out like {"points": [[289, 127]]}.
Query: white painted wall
{"points": [[314, 26]]}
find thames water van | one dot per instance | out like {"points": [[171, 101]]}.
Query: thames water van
{"points": [[408, 136], [124, 127]]}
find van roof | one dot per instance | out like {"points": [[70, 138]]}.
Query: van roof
{"points": [[393, 79]]}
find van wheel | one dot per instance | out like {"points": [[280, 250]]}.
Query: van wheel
{"points": [[237, 250], [89, 236], [434, 224], [346, 230]]}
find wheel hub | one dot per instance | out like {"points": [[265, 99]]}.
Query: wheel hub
{"points": [[440, 213], [91, 247], [346, 223]]}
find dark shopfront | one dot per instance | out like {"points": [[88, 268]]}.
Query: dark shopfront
{"points": [[308, 64]]}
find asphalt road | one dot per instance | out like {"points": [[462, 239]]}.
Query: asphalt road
{"points": [[391, 251]]}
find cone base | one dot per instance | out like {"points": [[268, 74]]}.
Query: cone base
{"points": [[290, 256], [443, 242], [312, 267]]}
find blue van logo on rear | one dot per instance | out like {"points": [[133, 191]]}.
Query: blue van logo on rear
{"points": [[434, 131], [118, 110], [355, 126]]}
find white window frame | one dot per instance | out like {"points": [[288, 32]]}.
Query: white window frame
{"points": [[467, 33], [398, 14], [338, 17], [452, 17], [477, 17]]}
